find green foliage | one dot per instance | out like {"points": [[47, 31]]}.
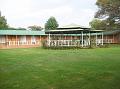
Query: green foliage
{"points": [[3, 22], [51, 24], [12, 28], [97, 24], [37, 68], [35, 27], [109, 10], [20, 28]]}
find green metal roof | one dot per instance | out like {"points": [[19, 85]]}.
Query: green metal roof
{"points": [[111, 32], [21, 32], [29, 32]]}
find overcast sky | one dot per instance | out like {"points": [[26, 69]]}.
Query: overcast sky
{"points": [[24, 13]]}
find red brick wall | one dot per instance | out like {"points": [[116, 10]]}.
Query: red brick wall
{"points": [[117, 38], [43, 38], [17, 38]]}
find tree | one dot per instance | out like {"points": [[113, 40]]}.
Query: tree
{"points": [[97, 24], [35, 27], [110, 11], [3, 22], [51, 24]]}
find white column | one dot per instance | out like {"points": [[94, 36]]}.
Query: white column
{"points": [[16, 40], [106, 39], [89, 38], [55, 42], [80, 41], [71, 40], [85, 39], [40, 41], [18, 43], [96, 39], [76, 40], [61, 40], [82, 38], [49, 40], [113, 39], [8, 42], [102, 38]]}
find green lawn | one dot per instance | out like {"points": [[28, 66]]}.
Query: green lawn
{"points": [[37, 68]]}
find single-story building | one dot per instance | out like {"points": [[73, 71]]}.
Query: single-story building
{"points": [[66, 36], [112, 37], [21, 38]]}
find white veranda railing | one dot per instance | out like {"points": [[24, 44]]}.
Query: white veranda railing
{"points": [[23, 43]]}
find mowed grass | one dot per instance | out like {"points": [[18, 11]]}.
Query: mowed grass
{"points": [[37, 68]]}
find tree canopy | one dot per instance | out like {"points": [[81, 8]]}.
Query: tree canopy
{"points": [[35, 27], [3, 22], [51, 24], [97, 24], [109, 10]]}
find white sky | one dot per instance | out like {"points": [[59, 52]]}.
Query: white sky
{"points": [[24, 13]]}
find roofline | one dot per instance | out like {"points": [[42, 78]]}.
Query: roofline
{"points": [[74, 30], [111, 32], [21, 32], [63, 30]]}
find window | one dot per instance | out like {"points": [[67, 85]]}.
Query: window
{"points": [[33, 39], [2, 39], [23, 39]]}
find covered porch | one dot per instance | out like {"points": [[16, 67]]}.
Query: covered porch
{"points": [[74, 38]]}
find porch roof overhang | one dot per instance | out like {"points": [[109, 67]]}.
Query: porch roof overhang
{"points": [[111, 32], [72, 31], [21, 32]]}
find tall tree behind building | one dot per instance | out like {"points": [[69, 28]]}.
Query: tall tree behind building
{"points": [[97, 24], [109, 10], [3, 22], [35, 27], [51, 24]]}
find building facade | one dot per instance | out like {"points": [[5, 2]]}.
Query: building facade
{"points": [[62, 37], [21, 38]]}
